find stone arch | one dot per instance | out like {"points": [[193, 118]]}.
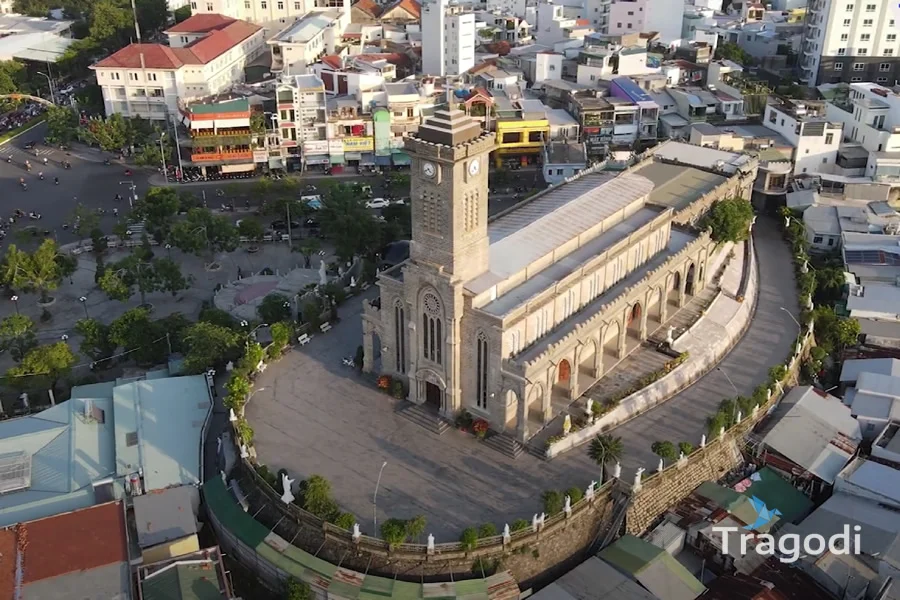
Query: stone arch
{"points": [[587, 360], [673, 290], [431, 318], [481, 370], [563, 372], [610, 342], [510, 406], [535, 405], [432, 389], [690, 279], [634, 320]]}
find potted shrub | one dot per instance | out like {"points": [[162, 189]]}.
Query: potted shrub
{"points": [[480, 428], [384, 383], [464, 420]]}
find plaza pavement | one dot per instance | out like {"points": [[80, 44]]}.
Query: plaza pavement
{"points": [[312, 415]]}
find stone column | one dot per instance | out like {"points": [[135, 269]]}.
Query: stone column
{"points": [[413, 359], [453, 393], [622, 346], [368, 349], [598, 359], [664, 303], [547, 404], [644, 312], [573, 376], [522, 419], [682, 288]]}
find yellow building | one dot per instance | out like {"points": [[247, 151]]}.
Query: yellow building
{"points": [[520, 138]]}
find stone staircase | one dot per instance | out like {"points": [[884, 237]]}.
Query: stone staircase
{"points": [[536, 451], [424, 417], [686, 316], [504, 444]]}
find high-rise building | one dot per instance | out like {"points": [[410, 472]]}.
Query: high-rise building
{"points": [[448, 38], [850, 41]]}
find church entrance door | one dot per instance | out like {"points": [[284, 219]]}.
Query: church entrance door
{"points": [[565, 371], [432, 396]]}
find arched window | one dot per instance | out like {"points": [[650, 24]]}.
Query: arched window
{"points": [[400, 333], [514, 342], [481, 371], [432, 328]]}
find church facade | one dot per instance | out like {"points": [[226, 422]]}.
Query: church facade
{"points": [[511, 317]]}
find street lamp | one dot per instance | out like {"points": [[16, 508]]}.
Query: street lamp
{"points": [[50, 85], [730, 382], [162, 155], [793, 318], [83, 301], [15, 300], [375, 500]]}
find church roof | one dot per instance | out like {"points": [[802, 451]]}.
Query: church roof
{"points": [[553, 219], [449, 128]]}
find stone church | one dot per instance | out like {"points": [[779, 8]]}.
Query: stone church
{"points": [[513, 316]]}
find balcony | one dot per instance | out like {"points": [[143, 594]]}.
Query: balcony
{"points": [[233, 139]]}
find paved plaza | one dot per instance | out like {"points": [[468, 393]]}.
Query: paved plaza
{"points": [[312, 415]]}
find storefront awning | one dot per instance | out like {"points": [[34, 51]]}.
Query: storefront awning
{"points": [[401, 158], [238, 168], [352, 156], [316, 159], [275, 162], [337, 159], [383, 161], [367, 159]]}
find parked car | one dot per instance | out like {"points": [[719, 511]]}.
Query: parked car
{"points": [[400, 201], [281, 225], [377, 203], [314, 202]]}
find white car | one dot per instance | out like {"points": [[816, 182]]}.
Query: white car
{"points": [[400, 201], [377, 203]]}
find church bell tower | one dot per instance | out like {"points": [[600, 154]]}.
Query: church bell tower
{"points": [[449, 191]]}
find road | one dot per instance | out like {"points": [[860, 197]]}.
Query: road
{"points": [[766, 343]]}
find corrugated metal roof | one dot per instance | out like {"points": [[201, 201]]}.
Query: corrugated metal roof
{"points": [[166, 515], [852, 368], [593, 580]]}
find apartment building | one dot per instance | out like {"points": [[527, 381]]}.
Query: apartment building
{"points": [[269, 12], [220, 138], [643, 16], [448, 38], [556, 23], [814, 138], [206, 55], [300, 120], [304, 41], [850, 41], [870, 114]]}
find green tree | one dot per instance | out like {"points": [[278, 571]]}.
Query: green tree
{"points": [[39, 271], [733, 52], [42, 367], [317, 496], [393, 531], [834, 333], [575, 494], [238, 387], [217, 316], [143, 272], [665, 450], [519, 525], [88, 220], [17, 336], [729, 220], [152, 14], [685, 448], [13, 77], [95, 342], [208, 345], [415, 527], [281, 334], [469, 538], [140, 336], [350, 225], [308, 248], [111, 134], [110, 23], [158, 209], [201, 230], [345, 520], [553, 502], [294, 589], [487, 530], [604, 449], [274, 308], [251, 229], [62, 125]]}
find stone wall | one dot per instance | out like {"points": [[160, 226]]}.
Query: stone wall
{"points": [[531, 556]]}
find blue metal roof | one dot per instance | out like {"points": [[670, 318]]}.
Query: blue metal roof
{"points": [[632, 90]]}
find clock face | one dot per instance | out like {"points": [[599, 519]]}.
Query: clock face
{"points": [[429, 169], [474, 167]]}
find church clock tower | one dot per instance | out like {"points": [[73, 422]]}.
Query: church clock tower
{"points": [[449, 190]]}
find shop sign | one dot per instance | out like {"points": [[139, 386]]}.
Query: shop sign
{"points": [[335, 147], [315, 147], [260, 156], [358, 144]]}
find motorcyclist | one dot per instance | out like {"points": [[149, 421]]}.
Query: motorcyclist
{"points": [[41, 175], [56, 180]]}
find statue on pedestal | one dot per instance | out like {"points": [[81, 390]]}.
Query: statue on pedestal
{"points": [[356, 532], [589, 492], [637, 478], [430, 544], [286, 482], [567, 425], [567, 508], [506, 534], [323, 274]]}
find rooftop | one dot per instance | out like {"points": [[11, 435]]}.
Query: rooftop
{"points": [[677, 185], [306, 28], [166, 515], [851, 369], [596, 580], [874, 298], [369, 7], [304, 82], [33, 38], [653, 568], [814, 430], [197, 576], [221, 34], [709, 158], [872, 480], [571, 153], [449, 128]]}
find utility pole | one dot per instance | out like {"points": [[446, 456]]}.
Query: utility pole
{"points": [[287, 206], [162, 154]]}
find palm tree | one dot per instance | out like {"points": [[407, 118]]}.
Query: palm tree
{"points": [[605, 448]]}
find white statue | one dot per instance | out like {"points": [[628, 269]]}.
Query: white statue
{"points": [[231, 416], [567, 508], [617, 470], [738, 417], [670, 335], [52, 399], [323, 275], [661, 466], [356, 532], [340, 271], [682, 458], [352, 281], [541, 520], [703, 441], [244, 452], [24, 398], [506, 534], [430, 543], [722, 431], [589, 408], [534, 523], [589, 492], [219, 446], [286, 482], [567, 425], [637, 478], [229, 366], [755, 409]]}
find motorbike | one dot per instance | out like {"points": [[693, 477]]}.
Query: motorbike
{"points": [[67, 165], [9, 158], [24, 186], [106, 162], [127, 172], [41, 176], [56, 180], [34, 216]]}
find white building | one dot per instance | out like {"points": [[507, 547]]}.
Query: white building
{"points": [[300, 118], [850, 42], [556, 23], [302, 42], [448, 38], [815, 140], [643, 16], [206, 55]]}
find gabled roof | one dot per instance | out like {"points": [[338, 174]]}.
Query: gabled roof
{"points": [[221, 34], [596, 580], [653, 568], [814, 430], [369, 7], [412, 7], [166, 515], [852, 368]]}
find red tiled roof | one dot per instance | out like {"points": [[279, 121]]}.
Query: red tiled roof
{"points": [[395, 58], [582, 22], [369, 7], [501, 48], [201, 24], [333, 61], [7, 563], [222, 34], [77, 541], [413, 7]]}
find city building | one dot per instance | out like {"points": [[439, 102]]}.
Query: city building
{"points": [[304, 41], [555, 24], [500, 318], [653, 568], [200, 575], [595, 116], [220, 138], [647, 116], [166, 523], [875, 399], [301, 122], [594, 579], [522, 131], [77, 554], [351, 134], [365, 11], [448, 38], [850, 42], [402, 12], [815, 139], [110, 439], [273, 14], [32, 39], [562, 160], [872, 258], [206, 55], [645, 16]]}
